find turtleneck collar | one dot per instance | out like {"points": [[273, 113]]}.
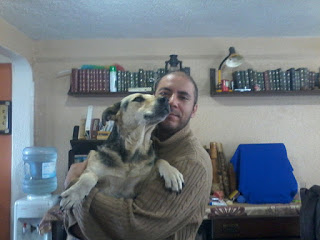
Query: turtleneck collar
{"points": [[174, 139]]}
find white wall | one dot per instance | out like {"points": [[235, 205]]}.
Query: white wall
{"points": [[17, 48], [291, 120]]}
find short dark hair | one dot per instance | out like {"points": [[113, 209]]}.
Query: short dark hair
{"points": [[156, 83]]}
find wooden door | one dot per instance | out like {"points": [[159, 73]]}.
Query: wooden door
{"points": [[5, 156]]}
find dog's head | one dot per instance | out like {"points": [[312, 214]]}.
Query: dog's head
{"points": [[137, 109]]}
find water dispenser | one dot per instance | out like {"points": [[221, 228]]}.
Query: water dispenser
{"points": [[39, 182]]}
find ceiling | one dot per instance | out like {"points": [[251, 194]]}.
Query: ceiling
{"points": [[91, 19]]}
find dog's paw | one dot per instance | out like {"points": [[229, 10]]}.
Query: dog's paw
{"points": [[172, 177], [70, 198]]}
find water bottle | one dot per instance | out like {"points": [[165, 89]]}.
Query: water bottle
{"points": [[39, 170], [113, 79]]}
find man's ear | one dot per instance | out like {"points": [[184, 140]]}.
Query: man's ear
{"points": [[195, 108], [110, 113]]}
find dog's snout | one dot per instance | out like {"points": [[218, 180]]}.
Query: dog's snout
{"points": [[163, 100]]}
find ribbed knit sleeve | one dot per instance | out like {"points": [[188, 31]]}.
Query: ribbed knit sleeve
{"points": [[156, 213]]}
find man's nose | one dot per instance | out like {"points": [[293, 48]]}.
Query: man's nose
{"points": [[173, 99]]}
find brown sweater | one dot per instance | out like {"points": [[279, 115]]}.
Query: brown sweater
{"points": [[155, 213]]}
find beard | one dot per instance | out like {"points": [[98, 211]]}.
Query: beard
{"points": [[166, 128]]}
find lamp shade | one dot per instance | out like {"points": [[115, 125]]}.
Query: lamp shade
{"points": [[235, 60]]}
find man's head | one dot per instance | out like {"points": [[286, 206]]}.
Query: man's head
{"points": [[182, 93]]}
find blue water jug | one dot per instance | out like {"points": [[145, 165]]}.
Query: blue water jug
{"points": [[39, 170]]}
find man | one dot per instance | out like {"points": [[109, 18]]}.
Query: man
{"points": [[155, 213]]}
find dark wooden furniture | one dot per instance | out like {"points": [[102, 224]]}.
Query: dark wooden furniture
{"points": [[253, 221], [255, 227], [82, 147]]}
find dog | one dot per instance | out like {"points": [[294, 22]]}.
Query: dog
{"points": [[127, 158]]}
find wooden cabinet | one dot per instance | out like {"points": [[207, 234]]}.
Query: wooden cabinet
{"points": [[82, 147], [255, 227]]}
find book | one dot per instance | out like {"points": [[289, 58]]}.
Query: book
{"points": [[266, 78], [94, 128], [103, 135], [74, 80], [80, 158], [82, 131], [105, 80]]}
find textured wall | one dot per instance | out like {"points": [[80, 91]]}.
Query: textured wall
{"points": [[16, 48], [231, 121]]}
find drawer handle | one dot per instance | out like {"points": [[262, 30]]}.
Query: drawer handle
{"points": [[231, 228]]}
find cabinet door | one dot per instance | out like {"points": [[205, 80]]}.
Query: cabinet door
{"points": [[255, 227]]}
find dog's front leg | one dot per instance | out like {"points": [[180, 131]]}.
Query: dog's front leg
{"points": [[77, 192], [172, 177]]}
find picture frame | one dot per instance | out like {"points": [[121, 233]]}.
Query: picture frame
{"points": [[5, 117]]}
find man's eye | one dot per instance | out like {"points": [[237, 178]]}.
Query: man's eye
{"points": [[164, 94], [138, 99], [184, 98]]}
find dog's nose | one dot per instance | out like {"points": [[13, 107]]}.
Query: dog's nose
{"points": [[163, 100]]}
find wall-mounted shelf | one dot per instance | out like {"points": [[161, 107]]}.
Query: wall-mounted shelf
{"points": [[106, 94], [266, 93], [213, 92]]}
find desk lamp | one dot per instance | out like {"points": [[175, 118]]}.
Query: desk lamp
{"points": [[232, 60]]}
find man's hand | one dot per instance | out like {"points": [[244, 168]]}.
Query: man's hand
{"points": [[74, 172]]}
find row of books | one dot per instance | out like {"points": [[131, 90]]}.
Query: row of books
{"points": [[98, 80], [276, 80], [96, 132]]}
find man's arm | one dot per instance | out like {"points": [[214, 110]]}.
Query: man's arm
{"points": [[156, 213], [74, 172]]}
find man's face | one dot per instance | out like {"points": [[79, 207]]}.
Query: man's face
{"points": [[180, 92]]}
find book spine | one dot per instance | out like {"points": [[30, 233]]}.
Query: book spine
{"points": [[99, 80], [87, 80], [280, 76], [74, 80], [273, 83], [107, 80], [128, 74], [94, 76], [120, 81], [94, 128], [237, 79], [255, 84], [246, 80], [82, 131], [266, 80], [212, 81], [292, 77], [288, 80], [297, 79], [242, 79], [250, 78], [260, 80]]}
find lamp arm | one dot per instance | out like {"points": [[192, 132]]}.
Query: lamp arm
{"points": [[219, 72], [223, 61]]}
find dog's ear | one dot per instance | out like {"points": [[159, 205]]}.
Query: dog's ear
{"points": [[110, 113]]}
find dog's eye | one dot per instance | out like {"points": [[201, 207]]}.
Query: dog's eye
{"points": [[138, 99]]}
